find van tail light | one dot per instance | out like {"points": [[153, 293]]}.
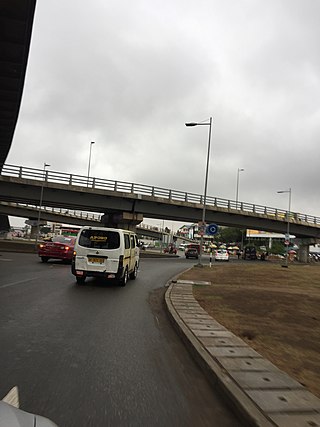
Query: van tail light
{"points": [[120, 261]]}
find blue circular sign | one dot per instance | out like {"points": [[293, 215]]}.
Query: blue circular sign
{"points": [[212, 229]]}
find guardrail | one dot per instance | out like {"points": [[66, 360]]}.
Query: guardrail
{"points": [[48, 209], [146, 190]]}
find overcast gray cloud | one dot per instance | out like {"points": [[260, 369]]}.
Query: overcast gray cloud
{"points": [[128, 75]]}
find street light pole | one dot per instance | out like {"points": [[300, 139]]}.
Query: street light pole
{"points": [[45, 165], [205, 182], [237, 190], [89, 163], [287, 238]]}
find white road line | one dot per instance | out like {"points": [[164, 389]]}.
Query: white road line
{"points": [[17, 283], [12, 398], [6, 259]]}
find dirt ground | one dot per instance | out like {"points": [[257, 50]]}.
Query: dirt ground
{"points": [[275, 310]]}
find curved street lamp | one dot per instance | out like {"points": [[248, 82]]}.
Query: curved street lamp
{"points": [[45, 165], [190, 124], [237, 190], [89, 163]]}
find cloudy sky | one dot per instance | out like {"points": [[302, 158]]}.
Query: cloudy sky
{"points": [[128, 75]]}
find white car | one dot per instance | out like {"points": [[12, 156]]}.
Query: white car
{"points": [[221, 255]]}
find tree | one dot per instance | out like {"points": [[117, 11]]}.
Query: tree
{"points": [[277, 247], [230, 235], [45, 229]]}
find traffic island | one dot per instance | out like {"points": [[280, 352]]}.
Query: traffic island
{"points": [[260, 393]]}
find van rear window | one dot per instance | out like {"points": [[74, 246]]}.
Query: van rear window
{"points": [[99, 239]]}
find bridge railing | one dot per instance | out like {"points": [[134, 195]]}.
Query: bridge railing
{"points": [[60, 211], [146, 190]]}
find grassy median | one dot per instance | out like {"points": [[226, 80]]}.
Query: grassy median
{"points": [[275, 310]]}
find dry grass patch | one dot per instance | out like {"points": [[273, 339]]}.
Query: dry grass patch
{"points": [[275, 310]]}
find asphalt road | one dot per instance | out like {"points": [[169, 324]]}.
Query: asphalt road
{"points": [[99, 355]]}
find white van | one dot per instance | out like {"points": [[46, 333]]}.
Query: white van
{"points": [[110, 253]]}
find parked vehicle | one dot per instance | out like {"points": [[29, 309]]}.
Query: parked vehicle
{"points": [[314, 256], [221, 255], [109, 253], [61, 247], [250, 253]]}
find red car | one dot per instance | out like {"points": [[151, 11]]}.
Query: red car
{"points": [[61, 247]]}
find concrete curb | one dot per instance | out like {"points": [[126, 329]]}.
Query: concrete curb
{"points": [[20, 247], [260, 393]]}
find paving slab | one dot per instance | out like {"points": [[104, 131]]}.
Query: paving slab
{"points": [[233, 352], [178, 300], [254, 364], [187, 311], [183, 306], [204, 327], [275, 379], [285, 400], [198, 321], [191, 310], [216, 333], [296, 420], [232, 341], [196, 316]]}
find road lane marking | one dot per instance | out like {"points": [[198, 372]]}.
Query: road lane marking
{"points": [[6, 259], [17, 283], [12, 398]]}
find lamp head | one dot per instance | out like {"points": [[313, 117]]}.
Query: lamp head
{"points": [[191, 124]]}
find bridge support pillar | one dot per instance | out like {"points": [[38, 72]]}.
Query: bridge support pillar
{"points": [[4, 224], [125, 220], [303, 252], [33, 231]]}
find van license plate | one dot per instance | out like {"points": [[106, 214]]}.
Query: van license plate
{"points": [[96, 260]]}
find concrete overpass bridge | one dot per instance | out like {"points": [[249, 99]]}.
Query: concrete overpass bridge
{"points": [[126, 203], [16, 21]]}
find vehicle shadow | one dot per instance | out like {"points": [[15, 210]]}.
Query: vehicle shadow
{"points": [[97, 283]]}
